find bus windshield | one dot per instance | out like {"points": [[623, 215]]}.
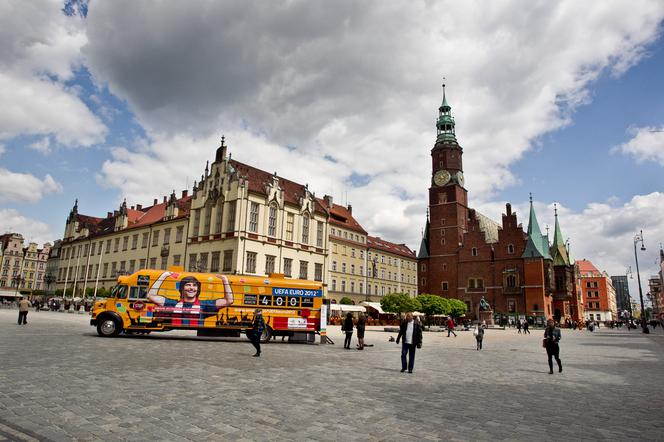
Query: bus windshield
{"points": [[119, 292]]}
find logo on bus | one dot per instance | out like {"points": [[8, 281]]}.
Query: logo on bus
{"points": [[139, 305]]}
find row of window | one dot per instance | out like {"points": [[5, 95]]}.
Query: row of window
{"points": [[410, 279], [116, 267], [590, 294], [593, 305], [114, 244], [592, 284], [377, 290], [24, 284], [347, 235]]}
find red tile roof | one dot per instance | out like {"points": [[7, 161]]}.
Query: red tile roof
{"points": [[258, 179], [342, 217], [586, 267], [386, 246]]}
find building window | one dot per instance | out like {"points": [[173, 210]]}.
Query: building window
{"points": [[230, 226], [153, 263], [305, 228], [203, 263], [343, 267], [343, 285], [155, 238], [192, 262], [253, 217], [167, 236], [446, 286], [304, 270], [290, 219], [228, 261], [334, 266], [214, 262], [134, 242], [144, 241], [125, 243], [423, 267], [92, 248], [219, 215], [164, 262], [319, 234], [288, 267], [176, 260], [318, 272], [475, 283], [269, 264], [473, 251], [272, 220], [334, 285], [197, 222], [352, 269], [510, 249], [208, 218], [142, 263], [116, 244], [352, 286], [251, 262], [132, 265], [105, 272], [510, 281]]}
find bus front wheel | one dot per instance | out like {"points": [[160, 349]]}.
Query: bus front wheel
{"points": [[108, 327]]}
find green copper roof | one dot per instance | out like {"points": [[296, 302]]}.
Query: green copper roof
{"points": [[538, 244], [424, 245], [445, 123], [558, 249]]}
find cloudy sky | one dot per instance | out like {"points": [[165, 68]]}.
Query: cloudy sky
{"points": [[563, 99]]}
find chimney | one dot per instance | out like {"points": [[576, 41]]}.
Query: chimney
{"points": [[184, 193], [350, 209], [328, 200], [139, 206], [154, 203], [165, 199], [109, 214], [508, 208]]}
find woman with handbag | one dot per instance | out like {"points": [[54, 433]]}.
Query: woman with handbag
{"points": [[551, 338]]}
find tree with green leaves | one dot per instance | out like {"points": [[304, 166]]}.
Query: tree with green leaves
{"points": [[399, 303], [345, 300], [433, 305], [457, 308]]}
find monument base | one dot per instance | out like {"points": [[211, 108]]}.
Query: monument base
{"points": [[486, 316]]}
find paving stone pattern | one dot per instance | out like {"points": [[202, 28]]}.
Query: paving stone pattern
{"points": [[61, 382]]}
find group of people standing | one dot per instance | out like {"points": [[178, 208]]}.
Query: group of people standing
{"points": [[347, 327]]}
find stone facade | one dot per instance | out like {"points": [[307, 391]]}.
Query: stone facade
{"points": [[20, 266], [598, 293]]}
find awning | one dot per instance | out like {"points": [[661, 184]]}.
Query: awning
{"points": [[347, 308], [374, 305]]}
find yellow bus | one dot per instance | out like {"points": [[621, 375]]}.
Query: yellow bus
{"points": [[213, 304]]}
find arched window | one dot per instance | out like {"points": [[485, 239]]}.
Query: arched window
{"points": [[219, 215], [510, 249], [473, 251], [272, 220], [511, 281]]}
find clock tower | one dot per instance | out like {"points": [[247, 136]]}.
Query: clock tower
{"points": [[448, 209]]}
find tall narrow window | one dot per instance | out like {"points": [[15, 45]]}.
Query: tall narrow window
{"points": [[192, 262], [197, 222], [228, 261], [288, 267], [305, 228], [178, 234], [319, 234], [251, 262], [304, 269], [230, 226], [214, 262], [253, 217], [155, 238], [269, 264], [318, 272], [134, 242], [289, 226], [207, 218], [219, 216], [203, 262], [272, 221], [167, 236]]}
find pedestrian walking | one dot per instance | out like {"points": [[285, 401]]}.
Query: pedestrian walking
{"points": [[23, 307], [257, 328], [526, 327], [518, 326], [361, 323], [479, 335], [411, 333], [450, 327], [551, 338], [347, 327]]}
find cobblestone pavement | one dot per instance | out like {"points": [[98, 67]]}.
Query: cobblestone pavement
{"points": [[62, 382]]}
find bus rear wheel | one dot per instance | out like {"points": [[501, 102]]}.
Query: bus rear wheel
{"points": [[108, 327]]}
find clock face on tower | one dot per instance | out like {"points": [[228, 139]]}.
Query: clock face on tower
{"points": [[441, 177], [459, 177]]}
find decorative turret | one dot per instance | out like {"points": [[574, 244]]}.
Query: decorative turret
{"points": [[122, 219], [172, 206], [424, 245], [221, 151], [445, 123], [538, 244], [558, 249]]}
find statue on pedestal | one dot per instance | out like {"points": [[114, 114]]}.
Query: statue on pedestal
{"points": [[484, 305]]}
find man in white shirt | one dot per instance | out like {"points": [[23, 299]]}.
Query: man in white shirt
{"points": [[411, 332]]}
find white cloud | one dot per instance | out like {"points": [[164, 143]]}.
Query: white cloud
{"points": [[338, 81], [39, 50], [24, 187], [31, 229], [647, 144], [43, 145], [3, 149]]}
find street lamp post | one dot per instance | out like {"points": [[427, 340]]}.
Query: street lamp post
{"points": [[639, 238], [373, 274]]}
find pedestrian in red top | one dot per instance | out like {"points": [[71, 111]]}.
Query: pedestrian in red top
{"points": [[450, 327]]}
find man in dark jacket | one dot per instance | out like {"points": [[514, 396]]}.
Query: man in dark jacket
{"points": [[257, 328], [411, 332]]}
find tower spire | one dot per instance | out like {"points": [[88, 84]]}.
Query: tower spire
{"points": [[445, 122], [538, 244], [558, 249]]}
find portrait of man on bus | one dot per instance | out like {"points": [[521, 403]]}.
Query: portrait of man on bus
{"points": [[190, 303]]}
